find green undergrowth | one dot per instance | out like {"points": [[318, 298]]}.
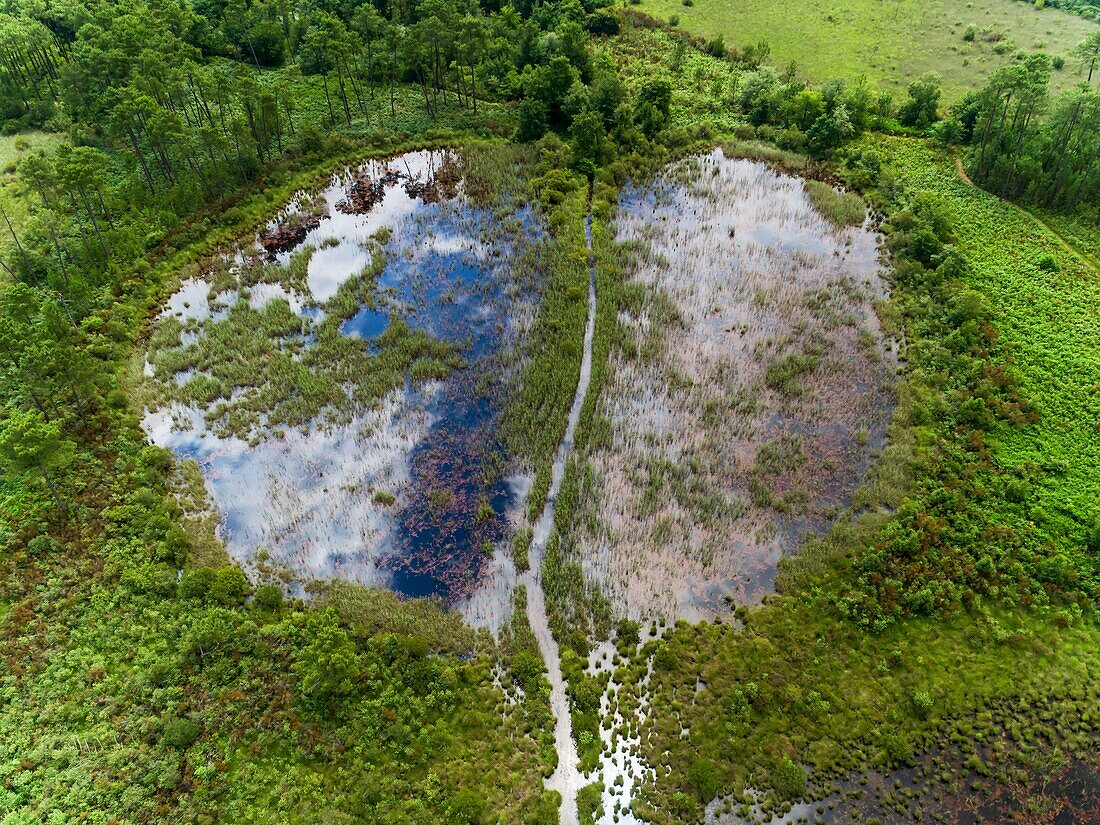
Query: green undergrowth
{"points": [[368, 611], [239, 710], [1045, 326], [795, 685], [703, 86], [15, 197], [1079, 230], [524, 680], [310, 107]]}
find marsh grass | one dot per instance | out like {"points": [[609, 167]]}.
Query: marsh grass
{"points": [[369, 611], [252, 370], [842, 208]]}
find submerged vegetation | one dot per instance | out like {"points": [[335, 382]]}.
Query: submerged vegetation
{"points": [[714, 430], [826, 542]]}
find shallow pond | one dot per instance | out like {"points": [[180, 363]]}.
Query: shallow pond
{"points": [[361, 440], [755, 400]]}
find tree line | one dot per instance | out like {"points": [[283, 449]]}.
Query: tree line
{"points": [[1027, 144]]}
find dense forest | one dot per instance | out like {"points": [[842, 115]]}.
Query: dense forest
{"points": [[931, 636]]}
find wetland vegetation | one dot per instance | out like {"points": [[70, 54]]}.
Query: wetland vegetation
{"points": [[544, 412]]}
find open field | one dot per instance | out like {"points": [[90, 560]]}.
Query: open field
{"points": [[892, 43]]}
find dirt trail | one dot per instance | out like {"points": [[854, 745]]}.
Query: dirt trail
{"points": [[1088, 260], [566, 779]]}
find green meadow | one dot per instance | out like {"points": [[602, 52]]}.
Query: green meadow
{"points": [[891, 42]]}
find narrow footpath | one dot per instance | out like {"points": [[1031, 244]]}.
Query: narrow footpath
{"points": [[566, 779], [1081, 255]]}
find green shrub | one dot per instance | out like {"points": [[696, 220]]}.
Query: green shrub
{"points": [[520, 547], [196, 584], [180, 733], [704, 778], [664, 659], [383, 498], [229, 586], [629, 632], [896, 748], [922, 704], [40, 545], [527, 670], [269, 597], [789, 779], [468, 807]]}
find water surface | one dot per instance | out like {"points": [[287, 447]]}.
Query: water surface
{"points": [[408, 491]]}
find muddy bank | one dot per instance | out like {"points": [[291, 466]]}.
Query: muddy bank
{"points": [[752, 398]]}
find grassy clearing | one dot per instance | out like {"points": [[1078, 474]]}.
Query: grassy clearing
{"points": [[891, 43], [702, 86]]}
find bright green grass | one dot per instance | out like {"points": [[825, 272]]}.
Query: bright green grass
{"points": [[1048, 322], [1080, 231], [890, 41]]}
